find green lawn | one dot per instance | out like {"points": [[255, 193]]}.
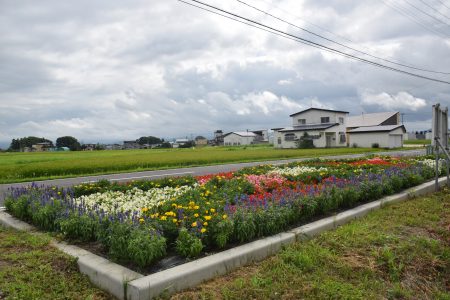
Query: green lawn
{"points": [[31, 269], [400, 252], [417, 142], [19, 167]]}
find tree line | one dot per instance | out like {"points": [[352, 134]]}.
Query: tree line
{"points": [[73, 144]]}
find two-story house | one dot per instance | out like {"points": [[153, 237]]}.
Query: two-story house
{"points": [[325, 127]]}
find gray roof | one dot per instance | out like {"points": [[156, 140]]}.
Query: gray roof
{"points": [[309, 127], [385, 128], [321, 109], [241, 133], [369, 119]]}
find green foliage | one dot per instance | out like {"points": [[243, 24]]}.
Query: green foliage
{"points": [[44, 216], [222, 232], [68, 141], [305, 142], [19, 207], [149, 140], [244, 226], [75, 227], [19, 144], [117, 240], [375, 145], [188, 244], [146, 246]]}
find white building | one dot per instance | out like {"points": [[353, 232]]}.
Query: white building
{"points": [[237, 138], [373, 119], [325, 127], [386, 136]]}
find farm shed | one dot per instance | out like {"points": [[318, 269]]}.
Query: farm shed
{"points": [[239, 138], [387, 136]]}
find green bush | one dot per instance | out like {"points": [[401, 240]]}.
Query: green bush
{"points": [[222, 232], [45, 216], [145, 246], [78, 227], [117, 240], [188, 244], [244, 226]]}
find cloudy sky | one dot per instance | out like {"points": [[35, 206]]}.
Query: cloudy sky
{"points": [[111, 70]]}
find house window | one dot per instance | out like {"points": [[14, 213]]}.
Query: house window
{"points": [[325, 120], [279, 141], [341, 120], [302, 121], [289, 137], [342, 138]]}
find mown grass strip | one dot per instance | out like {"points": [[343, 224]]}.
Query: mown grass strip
{"points": [[32, 269], [400, 252], [22, 167]]}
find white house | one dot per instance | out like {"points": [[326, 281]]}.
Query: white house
{"points": [[382, 128], [237, 138], [386, 136], [325, 127]]}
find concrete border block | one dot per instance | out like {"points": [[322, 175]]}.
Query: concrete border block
{"points": [[355, 213], [310, 230], [9, 221], [195, 272]]}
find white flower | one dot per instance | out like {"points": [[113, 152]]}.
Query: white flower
{"points": [[295, 171], [131, 200]]}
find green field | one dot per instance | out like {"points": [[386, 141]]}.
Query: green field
{"points": [[20, 167], [417, 142]]}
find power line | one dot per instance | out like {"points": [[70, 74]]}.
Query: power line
{"points": [[305, 41], [436, 10], [414, 18], [443, 4], [340, 44], [425, 13], [334, 34]]}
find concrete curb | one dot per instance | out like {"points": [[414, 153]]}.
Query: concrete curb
{"points": [[127, 284], [103, 273]]}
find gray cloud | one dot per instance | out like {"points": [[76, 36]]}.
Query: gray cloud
{"points": [[109, 71]]}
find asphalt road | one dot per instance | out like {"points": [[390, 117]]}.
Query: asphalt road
{"points": [[194, 171]]}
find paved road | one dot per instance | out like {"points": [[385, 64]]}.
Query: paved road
{"points": [[194, 171]]}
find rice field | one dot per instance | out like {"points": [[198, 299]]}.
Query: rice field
{"points": [[20, 167]]}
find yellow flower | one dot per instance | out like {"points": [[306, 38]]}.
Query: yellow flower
{"points": [[205, 223], [141, 220], [174, 220], [163, 218], [203, 230], [194, 224], [145, 209], [212, 210], [224, 217], [196, 215], [207, 218], [196, 207], [192, 203]]}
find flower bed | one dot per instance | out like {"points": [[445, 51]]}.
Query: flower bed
{"points": [[139, 222]]}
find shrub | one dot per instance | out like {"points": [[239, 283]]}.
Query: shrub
{"points": [[145, 246], [375, 145], [188, 244], [78, 227], [222, 233], [244, 226], [19, 207], [117, 240], [44, 216]]}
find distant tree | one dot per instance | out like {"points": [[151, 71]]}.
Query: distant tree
{"points": [[69, 142], [188, 144], [21, 143], [165, 145], [150, 140], [99, 147]]}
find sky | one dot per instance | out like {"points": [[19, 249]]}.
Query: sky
{"points": [[109, 70]]}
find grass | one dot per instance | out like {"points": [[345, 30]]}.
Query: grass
{"points": [[417, 142], [32, 269], [21, 167], [400, 252]]}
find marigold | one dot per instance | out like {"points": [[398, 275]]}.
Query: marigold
{"points": [[196, 215], [194, 224], [207, 218], [203, 230], [205, 223], [224, 217]]}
